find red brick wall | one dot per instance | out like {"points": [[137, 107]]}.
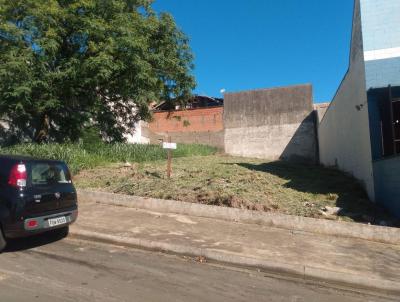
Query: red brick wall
{"points": [[191, 120]]}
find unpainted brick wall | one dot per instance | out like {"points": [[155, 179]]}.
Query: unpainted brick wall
{"points": [[210, 138], [201, 126], [191, 120]]}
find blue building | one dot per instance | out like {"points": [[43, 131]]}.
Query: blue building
{"points": [[360, 132], [381, 35]]}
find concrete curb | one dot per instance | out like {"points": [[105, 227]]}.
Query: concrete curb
{"points": [[299, 271], [295, 223]]}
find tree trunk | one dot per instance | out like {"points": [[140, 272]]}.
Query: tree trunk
{"points": [[42, 131]]}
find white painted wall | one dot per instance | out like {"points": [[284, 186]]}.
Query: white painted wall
{"points": [[344, 138], [137, 137]]}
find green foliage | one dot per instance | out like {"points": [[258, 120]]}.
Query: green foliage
{"points": [[74, 154], [86, 156], [91, 136], [65, 64]]}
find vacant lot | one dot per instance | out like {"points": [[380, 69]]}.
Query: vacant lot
{"points": [[293, 189]]}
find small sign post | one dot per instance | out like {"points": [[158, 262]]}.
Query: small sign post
{"points": [[169, 146]]}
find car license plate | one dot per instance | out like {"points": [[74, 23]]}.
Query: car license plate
{"points": [[57, 221]]}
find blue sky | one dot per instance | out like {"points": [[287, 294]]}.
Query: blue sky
{"points": [[251, 44]]}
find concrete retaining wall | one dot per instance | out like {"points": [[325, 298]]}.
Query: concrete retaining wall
{"points": [[320, 110], [271, 123]]}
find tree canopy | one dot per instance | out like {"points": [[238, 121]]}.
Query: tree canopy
{"points": [[65, 64]]}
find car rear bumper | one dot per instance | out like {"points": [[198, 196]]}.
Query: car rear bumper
{"points": [[24, 228]]}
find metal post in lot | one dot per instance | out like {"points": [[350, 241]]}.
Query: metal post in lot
{"points": [[169, 163]]}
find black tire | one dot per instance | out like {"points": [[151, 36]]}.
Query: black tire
{"points": [[61, 233], [3, 241]]}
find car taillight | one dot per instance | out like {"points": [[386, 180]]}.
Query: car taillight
{"points": [[18, 176], [33, 223]]}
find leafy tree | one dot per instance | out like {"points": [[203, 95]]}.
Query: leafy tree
{"points": [[67, 64]]}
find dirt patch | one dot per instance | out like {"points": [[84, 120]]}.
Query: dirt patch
{"points": [[231, 202]]}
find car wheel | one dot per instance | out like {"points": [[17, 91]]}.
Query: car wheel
{"points": [[3, 241]]}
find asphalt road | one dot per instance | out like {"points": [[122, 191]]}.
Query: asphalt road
{"points": [[72, 270]]}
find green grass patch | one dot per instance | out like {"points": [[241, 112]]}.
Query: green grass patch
{"points": [[288, 188], [88, 156]]}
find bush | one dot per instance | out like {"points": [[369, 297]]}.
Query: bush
{"points": [[91, 135], [86, 156]]}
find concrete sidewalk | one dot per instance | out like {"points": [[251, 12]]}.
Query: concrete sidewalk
{"points": [[356, 263]]}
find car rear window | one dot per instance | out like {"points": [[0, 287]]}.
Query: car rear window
{"points": [[49, 173]]}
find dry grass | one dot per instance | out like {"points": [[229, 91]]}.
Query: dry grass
{"points": [[293, 189]]}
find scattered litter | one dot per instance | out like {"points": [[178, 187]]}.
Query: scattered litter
{"points": [[201, 259], [331, 211], [127, 165]]}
